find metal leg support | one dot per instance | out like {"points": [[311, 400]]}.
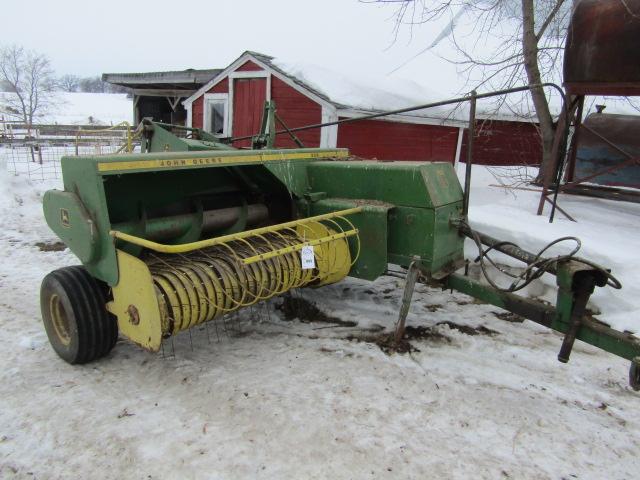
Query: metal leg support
{"points": [[412, 276], [581, 293]]}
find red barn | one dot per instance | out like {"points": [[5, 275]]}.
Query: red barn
{"points": [[231, 104], [501, 141]]}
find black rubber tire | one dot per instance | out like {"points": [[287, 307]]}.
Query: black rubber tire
{"points": [[634, 374], [73, 304]]}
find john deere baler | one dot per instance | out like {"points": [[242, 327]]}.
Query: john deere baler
{"points": [[193, 230]]}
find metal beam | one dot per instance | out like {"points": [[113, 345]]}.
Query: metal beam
{"points": [[173, 102], [162, 92], [591, 331]]}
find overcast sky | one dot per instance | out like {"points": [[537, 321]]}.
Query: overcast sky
{"points": [[90, 38]]}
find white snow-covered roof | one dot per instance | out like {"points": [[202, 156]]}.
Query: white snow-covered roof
{"points": [[370, 92], [348, 93], [364, 91], [83, 108], [617, 105]]}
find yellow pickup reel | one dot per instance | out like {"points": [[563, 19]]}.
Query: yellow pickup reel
{"points": [[176, 287]]}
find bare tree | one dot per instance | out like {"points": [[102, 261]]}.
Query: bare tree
{"points": [[29, 76], [93, 85], [505, 43], [97, 85], [68, 83]]}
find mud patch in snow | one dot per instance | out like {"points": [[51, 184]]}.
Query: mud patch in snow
{"points": [[302, 309], [432, 334], [509, 317], [51, 246]]}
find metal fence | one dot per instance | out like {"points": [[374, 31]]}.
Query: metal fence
{"points": [[36, 151]]}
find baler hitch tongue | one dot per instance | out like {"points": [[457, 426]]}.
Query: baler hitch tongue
{"points": [[576, 279]]}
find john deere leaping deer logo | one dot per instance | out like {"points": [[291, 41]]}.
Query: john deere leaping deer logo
{"points": [[64, 217]]}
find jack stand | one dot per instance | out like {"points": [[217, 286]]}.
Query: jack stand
{"points": [[582, 293], [412, 276]]}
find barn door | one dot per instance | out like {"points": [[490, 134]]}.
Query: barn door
{"points": [[249, 95]]}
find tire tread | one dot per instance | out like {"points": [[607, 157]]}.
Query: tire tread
{"points": [[97, 329]]}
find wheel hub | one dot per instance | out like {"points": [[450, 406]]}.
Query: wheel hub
{"points": [[59, 319]]}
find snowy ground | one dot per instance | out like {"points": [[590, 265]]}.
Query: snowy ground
{"points": [[273, 398], [607, 229]]}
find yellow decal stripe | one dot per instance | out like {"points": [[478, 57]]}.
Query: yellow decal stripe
{"points": [[204, 161]]}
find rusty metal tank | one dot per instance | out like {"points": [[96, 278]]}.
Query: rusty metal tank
{"points": [[602, 54], [596, 152]]}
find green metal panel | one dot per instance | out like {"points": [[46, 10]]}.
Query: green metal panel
{"points": [[200, 145], [424, 197], [159, 139], [292, 174], [411, 233], [426, 233], [373, 230], [81, 177], [71, 221], [411, 184], [448, 244]]}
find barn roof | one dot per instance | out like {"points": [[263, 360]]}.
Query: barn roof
{"points": [[178, 80], [366, 93], [347, 94], [273, 64]]}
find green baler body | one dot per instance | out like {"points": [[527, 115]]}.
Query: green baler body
{"points": [[407, 206], [409, 210]]}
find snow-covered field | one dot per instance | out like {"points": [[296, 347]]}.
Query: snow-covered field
{"points": [[266, 397], [80, 108]]}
